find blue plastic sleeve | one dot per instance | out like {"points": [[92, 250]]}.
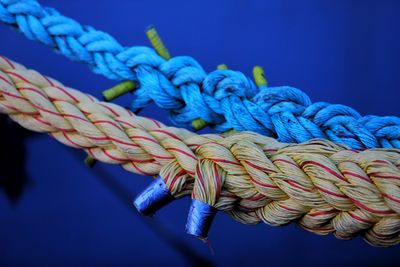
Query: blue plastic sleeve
{"points": [[200, 218], [153, 198]]}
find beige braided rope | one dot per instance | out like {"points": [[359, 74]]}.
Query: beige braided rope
{"points": [[323, 186]]}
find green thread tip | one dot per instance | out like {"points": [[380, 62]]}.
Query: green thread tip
{"points": [[157, 43], [259, 76], [222, 67], [199, 124], [119, 90], [90, 162], [230, 132]]}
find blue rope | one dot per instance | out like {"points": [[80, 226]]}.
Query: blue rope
{"points": [[225, 99]]}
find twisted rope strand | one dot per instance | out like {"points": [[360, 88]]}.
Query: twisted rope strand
{"points": [[323, 186], [224, 98]]}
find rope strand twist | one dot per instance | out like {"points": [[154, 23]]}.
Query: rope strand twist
{"points": [[224, 99], [324, 187]]}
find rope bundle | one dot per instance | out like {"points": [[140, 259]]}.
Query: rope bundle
{"points": [[324, 187], [225, 99]]}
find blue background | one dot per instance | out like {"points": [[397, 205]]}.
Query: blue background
{"points": [[54, 211]]}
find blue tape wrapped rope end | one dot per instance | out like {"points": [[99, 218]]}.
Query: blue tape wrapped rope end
{"points": [[200, 218], [153, 198]]}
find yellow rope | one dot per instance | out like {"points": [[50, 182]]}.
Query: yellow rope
{"points": [[326, 188]]}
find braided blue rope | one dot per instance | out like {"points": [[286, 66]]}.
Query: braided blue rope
{"points": [[225, 99]]}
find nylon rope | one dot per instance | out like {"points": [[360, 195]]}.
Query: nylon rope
{"points": [[324, 187], [223, 99]]}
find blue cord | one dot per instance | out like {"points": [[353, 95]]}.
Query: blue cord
{"points": [[225, 99]]}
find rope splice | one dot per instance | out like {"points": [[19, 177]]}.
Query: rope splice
{"points": [[324, 187]]}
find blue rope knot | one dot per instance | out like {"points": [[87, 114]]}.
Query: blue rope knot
{"points": [[186, 74], [225, 92], [385, 129]]}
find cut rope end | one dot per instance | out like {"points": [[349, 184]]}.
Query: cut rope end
{"points": [[199, 124], [259, 76], [157, 43], [200, 218], [119, 90], [229, 132], [222, 67], [90, 162], [153, 198]]}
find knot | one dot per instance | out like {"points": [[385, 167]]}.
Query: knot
{"points": [[153, 85], [282, 99], [341, 124], [187, 75], [322, 113], [225, 92], [385, 129], [183, 70], [129, 62], [221, 84], [137, 56], [283, 107]]}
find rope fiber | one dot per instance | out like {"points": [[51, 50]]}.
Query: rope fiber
{"points": [[324, 187], [224, 99]]}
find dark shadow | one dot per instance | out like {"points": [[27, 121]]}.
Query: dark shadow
{"points": [[13, 178], [119, 191]]}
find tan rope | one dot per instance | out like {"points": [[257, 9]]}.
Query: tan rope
{"points": [[323, 186]]}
